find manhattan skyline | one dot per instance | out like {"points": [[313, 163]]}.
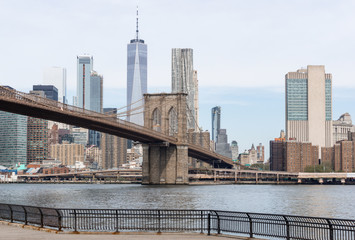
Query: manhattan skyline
{"points": [[241, 50]]}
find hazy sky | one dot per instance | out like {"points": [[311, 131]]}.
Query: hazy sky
{"points": [[242, 50]]}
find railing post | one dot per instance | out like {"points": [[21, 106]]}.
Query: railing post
{"points": [[201, 221], [287, 228], [11, 214], [25, 212], [116, 220], [331, 236], [59, 220], [251, 225], [218, 223], [209, 224], [159, 221], [40, 211], [75, 221]]}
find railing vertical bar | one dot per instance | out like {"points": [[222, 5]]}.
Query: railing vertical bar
{"points": [[59, 220], [75, 222], [218, 223], [25, 212], [331, 237], [287, 228], [40, 211], [158, 221], [209, 224], [250, 225], [201, 221], [11, 213], [116, 220]]}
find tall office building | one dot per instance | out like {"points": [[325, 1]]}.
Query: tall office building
{"points": [[222, 145], [309, 106], [37, 132], [114, 149], [84, 69], [182, 76], [37, 140], [235, 150], [95, 104], [50, 91], [216, 122], [136, 78], [94, 93], [89, 91], [13, 139], [57, 76]]}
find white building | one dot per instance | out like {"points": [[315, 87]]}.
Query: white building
{"points": [[182, 80], [341, 127], [57, 76], [309, 106]]}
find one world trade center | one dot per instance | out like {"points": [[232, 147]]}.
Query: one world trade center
{"points": [[136, 78]]}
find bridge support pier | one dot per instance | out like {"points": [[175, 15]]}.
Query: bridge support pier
{"points": [[163, 164]]}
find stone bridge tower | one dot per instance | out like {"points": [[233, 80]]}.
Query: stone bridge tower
{"points": [[164, 163]]}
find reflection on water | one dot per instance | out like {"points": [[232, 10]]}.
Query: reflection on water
{"points": [[306, 200]]}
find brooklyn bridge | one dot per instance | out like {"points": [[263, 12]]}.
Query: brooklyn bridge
{"points": [[166, 148]]}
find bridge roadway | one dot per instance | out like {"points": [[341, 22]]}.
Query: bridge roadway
{"points": [[35, 106]]}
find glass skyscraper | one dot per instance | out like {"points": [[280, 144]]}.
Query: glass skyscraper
{"points": [[84, 68], [89, 91], [136, 78], [13, 139], [309, 106]]}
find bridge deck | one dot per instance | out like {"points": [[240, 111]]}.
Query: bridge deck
{"points": [[35, 106]]}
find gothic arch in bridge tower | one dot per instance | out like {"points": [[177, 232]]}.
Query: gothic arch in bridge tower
{"points": [[156, 120]]}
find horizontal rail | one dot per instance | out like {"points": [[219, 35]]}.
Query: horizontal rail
{"points": [[165, 220]]}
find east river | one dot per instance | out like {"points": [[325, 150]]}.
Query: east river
{"points": [[336, 201]]}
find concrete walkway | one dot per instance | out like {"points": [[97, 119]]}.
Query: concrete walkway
{"points": [[13, 231]]}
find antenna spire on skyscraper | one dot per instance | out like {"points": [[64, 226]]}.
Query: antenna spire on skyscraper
{"points": [[137, 25]]}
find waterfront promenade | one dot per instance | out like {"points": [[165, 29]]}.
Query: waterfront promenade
{"points": [[10, 231]]}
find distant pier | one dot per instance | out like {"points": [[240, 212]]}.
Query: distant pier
{"points": [[196, 177]]}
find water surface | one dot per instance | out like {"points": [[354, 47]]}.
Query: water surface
{"points": [[306, 200]]}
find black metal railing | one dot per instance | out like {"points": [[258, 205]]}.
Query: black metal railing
{"points": [[204, 221]]}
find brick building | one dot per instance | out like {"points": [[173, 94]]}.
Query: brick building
{"points": [[344, 156], [67, 153], [292, 156], [37, 140], [277, 153], [56, 170]]}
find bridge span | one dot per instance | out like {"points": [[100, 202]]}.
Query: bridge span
{"points": [[35, 106]]}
